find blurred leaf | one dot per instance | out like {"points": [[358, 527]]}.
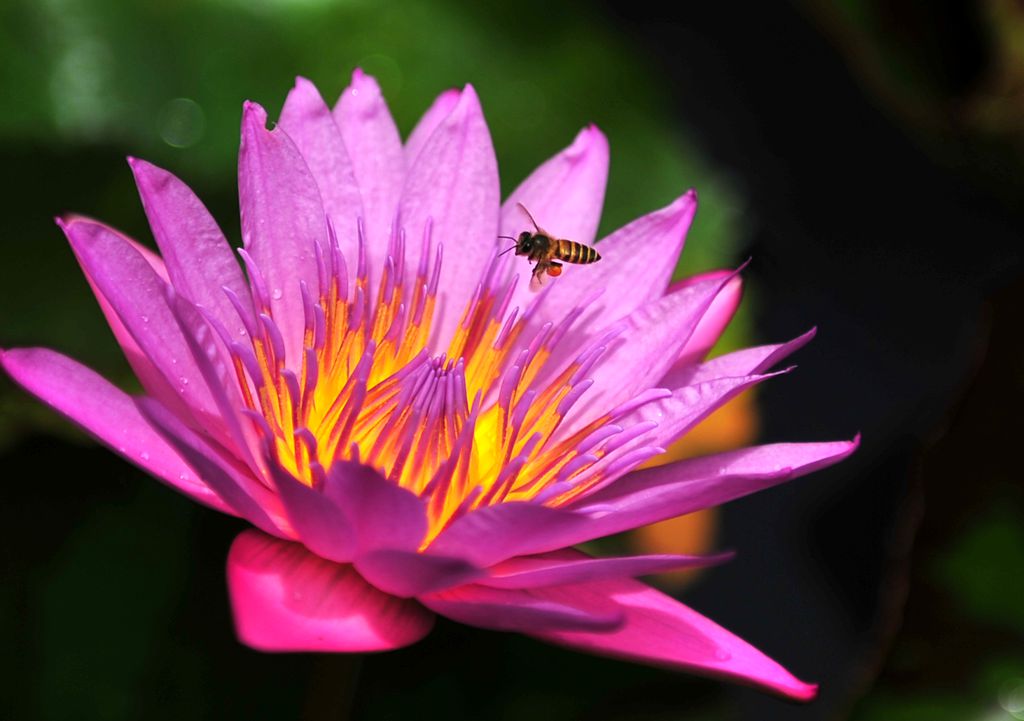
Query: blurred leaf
{"points": [[984, 570]]}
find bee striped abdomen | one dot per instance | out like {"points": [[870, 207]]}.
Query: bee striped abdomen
{"points": [[572, 252]]}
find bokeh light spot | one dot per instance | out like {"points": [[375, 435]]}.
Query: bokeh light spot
{"points": [[182, 123]]}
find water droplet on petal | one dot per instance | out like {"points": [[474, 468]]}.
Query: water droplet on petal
{"points": [[145, 318], [144, 455], [722, 655], [182, 476], [276, 293]]}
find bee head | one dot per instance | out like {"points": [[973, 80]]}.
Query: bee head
{"points": [[524, 245]]}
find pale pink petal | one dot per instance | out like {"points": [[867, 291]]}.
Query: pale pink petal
{"points": [[375, 148], [660, 631], [308, 122], [539, 571], [282, 221], [199, 260], [519, 610], [435, 115], [627, 276], [713, 323], [675, 489], [453, 186], [564, 195], [286, 599], [738, 363], [242, 493], [137, 295], [410, 573], [686, 407], [108, 413], [648, 342]]}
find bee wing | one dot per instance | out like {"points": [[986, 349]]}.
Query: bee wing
{"points": [[530, 216], [540, 276]]}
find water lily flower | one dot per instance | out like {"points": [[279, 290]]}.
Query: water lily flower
{"points": [[410, 429]]}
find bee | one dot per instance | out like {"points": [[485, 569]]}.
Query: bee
{"points": [[546, 251]]}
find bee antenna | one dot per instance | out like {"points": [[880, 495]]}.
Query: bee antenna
{"points": [[507, 237], [506, 251], [529, 215]]}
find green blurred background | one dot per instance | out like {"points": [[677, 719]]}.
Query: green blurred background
{"points": [[113, 604]]}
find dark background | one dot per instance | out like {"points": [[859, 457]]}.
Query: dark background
{"points": [[866, 155]]}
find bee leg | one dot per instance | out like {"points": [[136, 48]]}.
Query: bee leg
{"points": [[554, 269]]}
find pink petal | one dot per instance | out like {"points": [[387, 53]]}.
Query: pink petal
{"points": [[137, 295], [654, 494], [495, 533], [318, 521], [308, 122], [214, 365], [107, 413], [518, 610], [435, 115], [636, 264], [382, 515], [282, 221], [540, 571], [454, 185], [243, 494], [739, 363], [713, 323], [410, 573], [375, 148], [199, 260], [660, 631], [565, 196], [286, 599]]}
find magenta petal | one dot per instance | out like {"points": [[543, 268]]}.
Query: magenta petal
{"points": [[286, 599], [375, 148], [318, 522], [554, 570], [137, 294], [518, 610], [282, 221], [148, 374], [660, 631], [308, 122], [199, 260], [108, 413], [383, 515], [454, 185], [409, 573], [435, 115], [243, 494], [654, 494]]}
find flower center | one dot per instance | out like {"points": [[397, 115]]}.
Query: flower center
{"points": [[472, 427]]}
